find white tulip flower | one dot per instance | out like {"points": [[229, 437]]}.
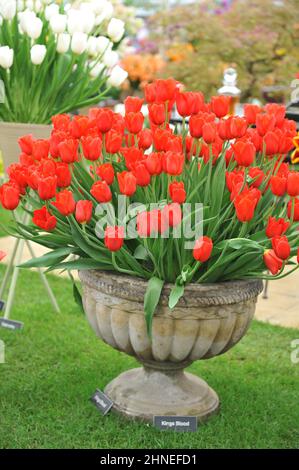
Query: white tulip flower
{"points": [[58, 23], [79, 42], [88, 20], [96, 69], [33, 28], [74, 21], [110, 58], [117, 76], [38, 54], [92, 46], [99, 6], [116, 29], [1, 20], [63, 43], [6, 57], [8, 9], [20, 5], [51, 10], [103, 44]]}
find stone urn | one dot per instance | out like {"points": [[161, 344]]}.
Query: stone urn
{"points": [[10, 132], [208, 320]]}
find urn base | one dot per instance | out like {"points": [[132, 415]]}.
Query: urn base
{"points": [[162, 389]]}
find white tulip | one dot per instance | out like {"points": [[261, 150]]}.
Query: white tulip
{"points": [[110, 58], [20, 5], [25, 17], [79, 42], [58, 23], [116, 29], [96, 69], [103, 44], [51, 10], [8, 9], [117, 76], [1, 20], [92, 46], [34, 27], [6, 57], [99, 6], [74, 21], [38, 54], [63, 43], [88, 20]]}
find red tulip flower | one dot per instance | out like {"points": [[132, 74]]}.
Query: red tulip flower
{"points": [[40, 149], [245, 204], [202, 249], [47, 187], [271, 143], [273, 263], [173, 163], [148, 223], [257, 176], [68, 150], [134, 122], [276, 227], [265, 123], [92, 147], [293, 184], [220, 105], [145, 139], [294, 201], [114, 238], [26, 144], [238, 127], [79, 126], [127, 183], [157, 113], [64, 177], [101, 191], [278, 185], [154, 163], [9, 196], [106, 172], [133, 104], [251, 111], [104, 119], [65, 202], [177, 192], [113, 141], [61, 122], [244, 153], [281, 247], [2, 255], [209, 132], [171, 216], [44, 220], [83, 211]]}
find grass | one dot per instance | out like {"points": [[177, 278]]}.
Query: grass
{"points": [[55, 363], [5, 217]]}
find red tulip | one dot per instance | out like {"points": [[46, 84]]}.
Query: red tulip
{"points": [[40, 149], [132, 156], [184, 103], [79, 126], [154, 163], [106, 173], [68, 150], [271, 143], [245, 204], [202, 249], [92, 147], [209, 132], [165, 90], [157, 114], [44, 220], [2, 255], [278, 185], [104, 119], [251, 111], [173, 163], [61, 122], [142, 175], [177, 192], [234, 178], [293, 184], [64, 177], [148, 223], [26, 144], [9, 196], [265, 123], [101, 191], [47, 187], [281, 247], [294, 201], [127, 183], [273, 263], [113, 141], [171, 216], [276, 227], [244, 153], [257, 176], [220, 105], [65, 202], [133, 104], [238, 127], [134, 122], [145, 139], [83, 211], [114, 238]]}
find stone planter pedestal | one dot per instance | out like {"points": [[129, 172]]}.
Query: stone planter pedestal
{"points": [[208, 320]]}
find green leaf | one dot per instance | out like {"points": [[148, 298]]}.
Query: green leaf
{"points": [[78, 297], [151, 300], [49, 259], [141, 253], [176, 293]]}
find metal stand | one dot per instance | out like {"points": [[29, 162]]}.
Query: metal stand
{"points": [[13, 268], [265, 291]]}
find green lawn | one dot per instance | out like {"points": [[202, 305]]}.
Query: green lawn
{"points": [[55, 364], [5, 217]]}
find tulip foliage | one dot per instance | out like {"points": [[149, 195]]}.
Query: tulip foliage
{"points": [[230, 169], [55, 59]]}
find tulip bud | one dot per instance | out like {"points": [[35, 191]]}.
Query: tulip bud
{"points": [[281, 247], [83, 211], [6, 57], [110, 58], [79, 43], [103, 44], [92, 46], [116, 29], [63, 43], [8, 9], [38, 53], [51, 10], [65, 202], [117, 76], [202, 249], [114, 238], [58, 23], [33, 27], [44, 220], [273, 263]]}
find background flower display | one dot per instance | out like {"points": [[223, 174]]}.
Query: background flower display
{"points": [[249, 195], [260, 39], [51, 60], [142, 68]]}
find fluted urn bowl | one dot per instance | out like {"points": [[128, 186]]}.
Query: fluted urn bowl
{"points": [[208, 320]]}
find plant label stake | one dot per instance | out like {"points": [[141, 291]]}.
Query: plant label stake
{"points": [[11, 324], [176, 423], [102, 402]]}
